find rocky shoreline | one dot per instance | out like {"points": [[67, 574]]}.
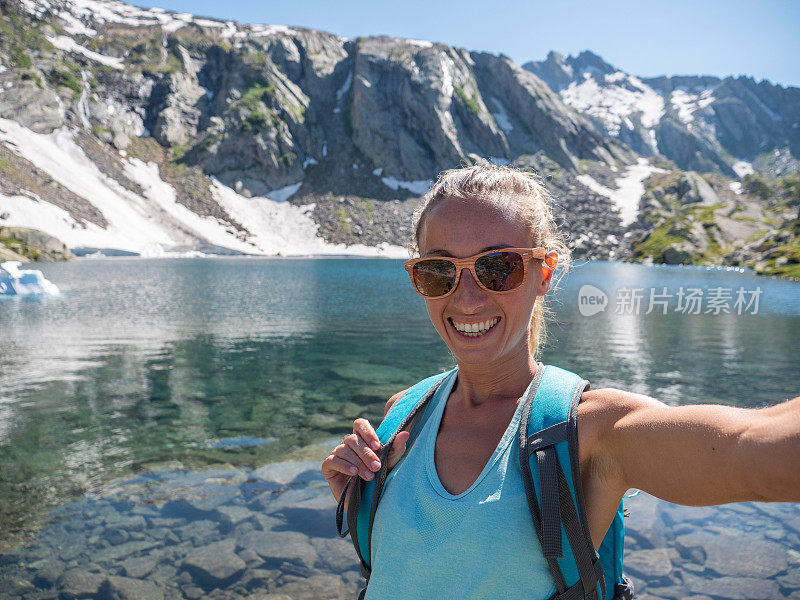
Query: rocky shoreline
{"points": [[269, 533]]}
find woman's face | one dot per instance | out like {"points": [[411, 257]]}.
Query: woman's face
{"points": [[459, 228]]}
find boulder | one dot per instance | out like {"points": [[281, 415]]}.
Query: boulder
{"points": [[215, 565]]}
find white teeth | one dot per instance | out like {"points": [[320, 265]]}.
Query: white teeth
{"points": [[475, 329]]}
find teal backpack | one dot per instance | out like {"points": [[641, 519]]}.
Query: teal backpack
{"points": [[549, 450]]}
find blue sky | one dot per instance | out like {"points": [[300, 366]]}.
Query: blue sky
{"points": [[711, 37]]}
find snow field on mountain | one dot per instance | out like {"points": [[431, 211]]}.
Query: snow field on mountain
{"points": [[686, 104], [66, 43], [630, 188], [611, 104], [155, 224]]}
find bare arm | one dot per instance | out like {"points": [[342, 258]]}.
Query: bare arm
{"points": [[696, 455]]}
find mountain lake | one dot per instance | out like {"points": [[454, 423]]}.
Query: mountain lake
{"points": [[163, 421]]}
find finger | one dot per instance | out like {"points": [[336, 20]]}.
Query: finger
{"points": [[337, 464], [359, 446], [347, 453], [366, 431], [398, 448]]}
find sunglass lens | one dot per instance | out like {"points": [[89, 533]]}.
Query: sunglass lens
{"points": [[500, 271], [434, 277]]}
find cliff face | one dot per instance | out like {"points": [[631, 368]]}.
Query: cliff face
{"points": [[136, 130], [218, 110]]}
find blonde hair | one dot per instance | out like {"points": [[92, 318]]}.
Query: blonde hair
{"points": [[522, 192]]}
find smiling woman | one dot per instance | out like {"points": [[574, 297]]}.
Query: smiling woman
{"points": [[504, 477]]}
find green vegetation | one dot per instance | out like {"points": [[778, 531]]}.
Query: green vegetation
{"points": [[287, 159], [257, 122], [757, 186], [256, 59], [145, 56], [471, 102], [30, 76], [254, 93], [343, 220], [63, 78], [369, 210], [176, 153], [674, 229], [21, 248], [704, 214], [657, 242], [174, 63], [299, 112], [784, 260], [20, 58], [148, 57]]}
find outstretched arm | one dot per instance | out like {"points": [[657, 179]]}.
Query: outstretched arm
{"points": [[696, 455]]}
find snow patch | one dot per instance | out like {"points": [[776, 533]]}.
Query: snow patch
{"points": [[265, 30], [309, 161], [130, 226], [36, 7], [75, 26], [501, 116], [419, 187], [345, 87], [742, 168], [447, 64], [612, 104], [282, 228], [499, 161], [420, 43], [67, 44], [687, 104], [630, 188], [378, 171], [735, 187], [284, 193], [155, 224]]}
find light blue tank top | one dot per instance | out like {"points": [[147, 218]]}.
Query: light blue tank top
{"points": [[428, 543]]}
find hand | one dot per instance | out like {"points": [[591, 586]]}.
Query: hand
{"points": [[358, 454]]}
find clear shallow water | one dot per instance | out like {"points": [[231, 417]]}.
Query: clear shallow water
{"points": [[180, 366]]}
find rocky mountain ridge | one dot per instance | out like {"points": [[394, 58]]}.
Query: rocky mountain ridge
{"points": [[143, 131], [733, 126]]}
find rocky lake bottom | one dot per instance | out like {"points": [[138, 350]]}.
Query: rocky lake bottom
{"points": [[269, 533]]}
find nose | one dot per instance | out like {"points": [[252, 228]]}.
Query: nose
{"points": [[468, 294]]}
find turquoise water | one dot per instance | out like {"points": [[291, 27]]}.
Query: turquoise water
{"points": [[185, 365]]}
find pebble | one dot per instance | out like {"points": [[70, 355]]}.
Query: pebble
{"points": [[269, 534]]}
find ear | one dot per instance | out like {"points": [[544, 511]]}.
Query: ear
{"points": [[548, 267]]}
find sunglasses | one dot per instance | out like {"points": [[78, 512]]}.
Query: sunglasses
{"points": [[500, 270]]}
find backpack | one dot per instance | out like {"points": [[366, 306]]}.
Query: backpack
{"points": [[548, 450]]}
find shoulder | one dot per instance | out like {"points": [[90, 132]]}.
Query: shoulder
{"points": [[603, 411], [394, 399]]}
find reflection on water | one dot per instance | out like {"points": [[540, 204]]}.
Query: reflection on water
{"points": [[144, 367]]}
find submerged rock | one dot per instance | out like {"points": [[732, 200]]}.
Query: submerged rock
{"points": [[215, 565]]}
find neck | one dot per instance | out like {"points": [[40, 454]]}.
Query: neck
{"points": [[495, 382]]}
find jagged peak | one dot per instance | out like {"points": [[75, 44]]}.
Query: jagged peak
{"points": [[589, 62]]}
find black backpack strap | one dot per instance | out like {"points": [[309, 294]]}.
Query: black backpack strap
{"points": [[557, 507]]}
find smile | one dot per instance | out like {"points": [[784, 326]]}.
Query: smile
{"points": [[475, 329]]}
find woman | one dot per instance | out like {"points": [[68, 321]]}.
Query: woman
{"points": [[696, 455]]}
